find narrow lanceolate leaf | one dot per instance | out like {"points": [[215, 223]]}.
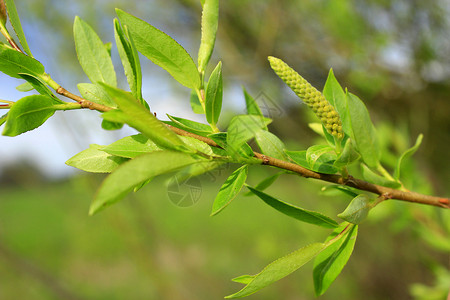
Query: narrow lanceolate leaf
{"points": [[295, 212], [162, 50], [334, 93], [214, 93], [130, 60], [13, 63], [408, 153], [372, 177], [191, 126], [140, 118], [29, 113], [252, 106], [131, 146], [210, 20], [242, 128], [331, 261], [278, 269], [363, 131], [95, 160], [230, 189], [95, 93], [37, 84], [92, 54], [270, 144], [135, 172], [15, 22]]}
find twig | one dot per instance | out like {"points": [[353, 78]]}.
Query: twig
{"points": [[385, 192]]}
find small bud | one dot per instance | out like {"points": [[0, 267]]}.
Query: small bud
{"points": [[3, 15], [310, 95]]}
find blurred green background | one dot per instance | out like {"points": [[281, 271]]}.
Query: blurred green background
{"points": [[393, 54]]}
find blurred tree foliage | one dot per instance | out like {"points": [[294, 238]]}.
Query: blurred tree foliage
{"points": [[394, 54]]}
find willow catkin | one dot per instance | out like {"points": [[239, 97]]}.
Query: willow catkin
{"points": [[310, 95]]}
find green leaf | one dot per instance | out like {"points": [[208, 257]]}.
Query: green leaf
{"points": [[245, 151], [320, 165], [214, 93], [131, 146], [279, 269], [15, 22], [96, 93], [408, 153], [244, 279], [265, 183], [372, 177], [295, 212], [135, 172], [363, 131], [251, 106], [95, 160], [138, 117], [331, 261], [25, 87], [107, 125], [191, 126], [130, 60], [3, 119], [230, 189], [210, 20], [242, 128], [195, 103], [29, 113], [13, 63], [270, 144], [320, 158], [162, 50], [348, 155], [92, 54], [357, 210], [39, 85], [334, 93]]}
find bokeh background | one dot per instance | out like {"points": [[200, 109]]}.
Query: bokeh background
{"points": [[392, 54]]}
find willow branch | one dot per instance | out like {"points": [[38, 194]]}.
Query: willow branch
{"points": [[384, 192], [83, 102]]}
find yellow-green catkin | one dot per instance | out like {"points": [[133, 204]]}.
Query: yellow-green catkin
{"points": [[310, 95]]}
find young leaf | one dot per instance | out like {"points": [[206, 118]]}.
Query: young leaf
{"points": [[135, 172], [220, 138], [214, 93], [334, 93], [92, 54], [131, 146], [191, 126], [29, 113], [15, 22], [95, 93], [244, 279], [138, 117], [162, 50], [363, 131], [37, 84], [251, 106], [295, 212], [230, 189], [24, 87], [348, 155], [331, 261], [318, 162], [95, 160], [107, 125], [278, 269], [408, 153], [195, 103], [270, 144], [13, 63], [130, 60], [242, 128], [319, 154], [372, 177], [210, 20], [357, 210]]}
